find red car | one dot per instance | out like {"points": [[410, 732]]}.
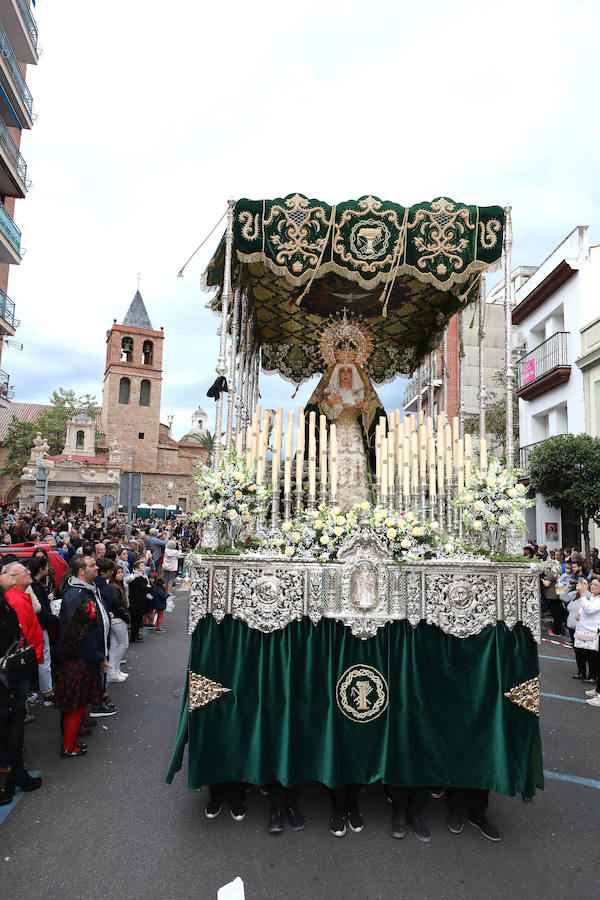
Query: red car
{"points": [[23, 551]]}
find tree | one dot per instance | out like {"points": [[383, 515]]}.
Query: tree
{"points": [[566, 470], [207, 441], [52, 425], [495, 416]]}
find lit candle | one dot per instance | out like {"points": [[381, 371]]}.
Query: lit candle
{"points": [[455, 442], [406, 468], [414, 461], [448, 453], [323, 450], [312, 454], [431, 446], [287, 464], [468, 460], [483, 455], [333, 459], [300, 449]]}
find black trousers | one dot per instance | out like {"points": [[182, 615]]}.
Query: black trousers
{"points": [[579, 655], [281, 797], [468, 801], [231, 791], [592, 658], [406, 800], [557, 610], [13, 714], [344, 799], [136, 624]]}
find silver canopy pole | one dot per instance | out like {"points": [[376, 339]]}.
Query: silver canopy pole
{"points": [[508, 365], [222, 359]]}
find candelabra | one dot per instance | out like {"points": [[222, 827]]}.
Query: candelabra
{"points": [[287, 506]]}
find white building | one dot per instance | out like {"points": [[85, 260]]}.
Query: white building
{"points": [[551, 308]]}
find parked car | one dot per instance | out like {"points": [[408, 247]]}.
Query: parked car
{"points": [[23, 551]]}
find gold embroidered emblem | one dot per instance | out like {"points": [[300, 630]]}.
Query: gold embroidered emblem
{"points": [[526, 695], [369, 238], [201, 690], [362, 693]]}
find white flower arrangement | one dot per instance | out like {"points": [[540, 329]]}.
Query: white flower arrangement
{"points": [[494, 502], [407, 537], [231, 494]]}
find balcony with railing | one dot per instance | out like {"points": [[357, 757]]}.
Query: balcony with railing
{"points": [[30, 23], [10, 239], [411, 391], [15, 83], [7, 312], [544, 367], [13, 168], [6, 391], [525, 452]]}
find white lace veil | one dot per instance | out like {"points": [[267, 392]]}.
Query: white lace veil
{"points": [[356, 385]]}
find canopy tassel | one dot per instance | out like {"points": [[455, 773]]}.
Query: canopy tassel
{"points": [[318, 266]]}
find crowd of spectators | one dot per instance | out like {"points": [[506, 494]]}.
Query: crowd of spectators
{"points": [[79, 589], [570, 589]]}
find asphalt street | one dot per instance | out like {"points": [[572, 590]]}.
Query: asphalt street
{"points": [[108, 826]]}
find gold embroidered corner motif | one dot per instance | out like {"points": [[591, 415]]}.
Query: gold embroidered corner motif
{"points": [[526, 695], [202, 690]]}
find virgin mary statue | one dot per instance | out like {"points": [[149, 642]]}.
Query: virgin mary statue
{"points": [[346, 396]]}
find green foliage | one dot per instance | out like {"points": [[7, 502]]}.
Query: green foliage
{"points": [[566, 470], [208, 442], [52, 425], [495, 416]]}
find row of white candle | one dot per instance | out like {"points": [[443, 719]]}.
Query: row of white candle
{"points": [[411, 452], [408, 453], [257, 446]]}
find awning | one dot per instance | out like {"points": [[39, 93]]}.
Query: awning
{"points": [[405, 270]]}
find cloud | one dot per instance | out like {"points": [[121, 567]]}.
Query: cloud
{"points": [[149, 119]]}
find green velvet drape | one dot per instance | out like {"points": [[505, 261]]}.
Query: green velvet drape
{"points": [[447, 722]]}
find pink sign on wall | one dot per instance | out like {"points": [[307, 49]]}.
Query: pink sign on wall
{"points": [[528, 371]]}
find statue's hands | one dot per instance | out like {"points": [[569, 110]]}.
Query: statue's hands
{"points": [[335, 398], [361, 404]]}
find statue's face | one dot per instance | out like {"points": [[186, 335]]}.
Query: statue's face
{"points": [[345, 374]]}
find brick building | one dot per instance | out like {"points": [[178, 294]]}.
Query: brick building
{"points": [[18, 45], [131, 398]]}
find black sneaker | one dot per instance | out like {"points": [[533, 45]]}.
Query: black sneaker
{"points": [[238, 812], [295, 818], [420, 831], [77, 750], [102, 709], [486, 828], [213, 808], [355, 820], [578, 677], [337, 826], [398, 826], [456, 821], [275, 825]]}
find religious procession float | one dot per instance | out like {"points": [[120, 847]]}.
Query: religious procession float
{"points": [[346, 623]]}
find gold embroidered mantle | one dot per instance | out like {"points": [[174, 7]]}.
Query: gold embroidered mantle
{"points": [[526, 695]]}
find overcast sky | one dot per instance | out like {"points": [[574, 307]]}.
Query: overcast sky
{"points": [[152, 115]]}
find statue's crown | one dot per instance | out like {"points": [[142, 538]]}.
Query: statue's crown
{"points": [[345, 340]]}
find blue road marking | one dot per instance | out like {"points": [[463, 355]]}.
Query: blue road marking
{"points": [[561, 697], [588, 782], [559, 658], [5, 810]]}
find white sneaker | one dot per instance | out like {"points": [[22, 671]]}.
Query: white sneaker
{"points": [[116, 676], [593, 693], [595, 701], [124, 675]]}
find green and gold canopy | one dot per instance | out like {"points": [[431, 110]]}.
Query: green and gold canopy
{"points": [[405, 270]]}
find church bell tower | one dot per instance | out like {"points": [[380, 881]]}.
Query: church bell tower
{"points": [[132, 388]]}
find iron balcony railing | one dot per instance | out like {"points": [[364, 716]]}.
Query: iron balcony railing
{"points": [[6, 392], [412, 388], [13, 65], [548, 355], [7, 310], [525, 452], [12, 151], [10, 230], [30, 22]]}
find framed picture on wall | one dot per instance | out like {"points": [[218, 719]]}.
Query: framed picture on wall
{"points": [[551, 532]]}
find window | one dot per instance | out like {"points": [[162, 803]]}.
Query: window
{"points": [[126, 349], [141, 435], [79, 439], [124, 390], [145, 392], [147, 353], [182, 503]]}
